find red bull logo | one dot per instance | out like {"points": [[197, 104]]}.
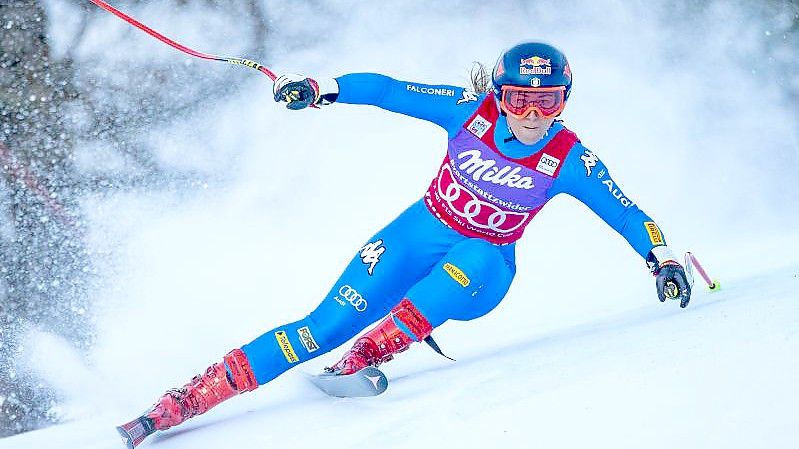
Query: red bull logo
{"points": [[538, 66], [535, 61]]}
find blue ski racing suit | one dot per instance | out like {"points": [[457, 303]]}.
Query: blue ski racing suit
{"points": [[452, 253]]}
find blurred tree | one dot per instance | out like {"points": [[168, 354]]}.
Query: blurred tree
{"points": [[45, 266], [43, 259]]}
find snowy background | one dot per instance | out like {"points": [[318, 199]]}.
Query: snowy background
{"points": [[692, 125]]}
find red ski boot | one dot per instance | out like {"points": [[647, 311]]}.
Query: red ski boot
{"points": [[221, 381], [386, 339], [204, 391]]}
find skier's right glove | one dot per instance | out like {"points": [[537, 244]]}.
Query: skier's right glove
{"points": [[299, 91], [670, 278]]}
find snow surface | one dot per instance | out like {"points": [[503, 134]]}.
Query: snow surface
{"points": [[721, 373], [579, 354]]}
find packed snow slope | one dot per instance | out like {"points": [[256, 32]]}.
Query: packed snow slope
{"points": [[719, 374], [579, 354]]}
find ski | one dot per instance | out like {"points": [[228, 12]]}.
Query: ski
{"points": [[136, 431], [369, 381]]}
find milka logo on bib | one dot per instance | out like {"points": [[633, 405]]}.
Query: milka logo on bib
{"points": [[487, 170]]}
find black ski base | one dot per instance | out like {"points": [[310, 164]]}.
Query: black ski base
{"points": [[136, 431]]}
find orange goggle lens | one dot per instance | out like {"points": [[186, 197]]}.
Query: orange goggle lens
{"points": [[519, 102]]}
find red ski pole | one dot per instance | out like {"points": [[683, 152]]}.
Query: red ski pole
{"points": [[183, 48], [690, 259]]}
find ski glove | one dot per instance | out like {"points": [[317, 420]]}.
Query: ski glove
{"points": [[670, 278], [299, 92]]}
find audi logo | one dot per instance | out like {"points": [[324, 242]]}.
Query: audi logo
{"points": [[347, 294], [466, 204]]}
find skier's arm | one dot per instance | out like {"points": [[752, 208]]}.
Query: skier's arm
{"points": [[446, 106], [587, 179], [439, 104]]}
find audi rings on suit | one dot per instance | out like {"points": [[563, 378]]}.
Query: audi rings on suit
{"points": [[353, 297]]}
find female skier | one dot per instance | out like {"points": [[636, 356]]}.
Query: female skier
{"points": [[450, 255]]}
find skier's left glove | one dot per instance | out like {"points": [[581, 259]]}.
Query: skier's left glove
{"points": [[670, 278], [299, 91]]}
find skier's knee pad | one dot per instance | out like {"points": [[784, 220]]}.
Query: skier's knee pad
{"points": [[468, 282]]}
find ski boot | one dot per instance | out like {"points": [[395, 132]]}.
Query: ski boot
{"points": [[221, 381], [380, 344]]}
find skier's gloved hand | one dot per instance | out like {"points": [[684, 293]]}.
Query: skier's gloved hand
{"points": [[670, 278], [299, 91]]}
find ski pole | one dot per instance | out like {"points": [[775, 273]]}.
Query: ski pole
{"points": [[690, 259], [183, 48]]}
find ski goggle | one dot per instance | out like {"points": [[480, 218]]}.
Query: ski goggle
{"points": [[519, 102]]}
